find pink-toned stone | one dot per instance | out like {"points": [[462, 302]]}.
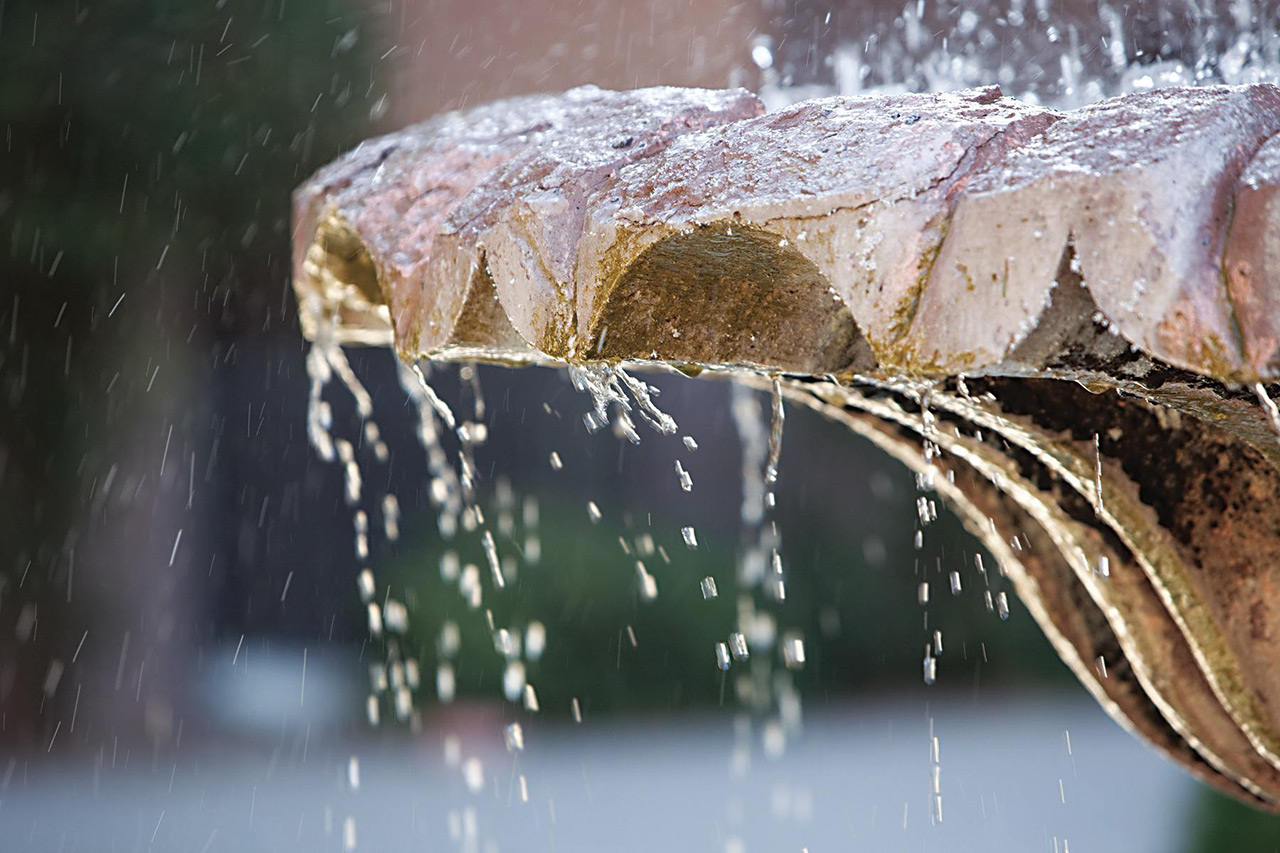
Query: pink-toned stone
{"points": [[921, 234], [423, 204], [1253, 260], [861, 187], [1141, 188]]}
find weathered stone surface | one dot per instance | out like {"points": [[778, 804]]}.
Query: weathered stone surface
{"points": [[925, 234], [861, 188], [1124, 629], [1253, 260], [405, 233], [1137, 191], [1108, 280]]}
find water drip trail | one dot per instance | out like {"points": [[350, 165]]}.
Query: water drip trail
{"points": [[773, 709], [452, 492]]}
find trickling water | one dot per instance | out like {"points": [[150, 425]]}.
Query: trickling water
{"points": [[1040, 63]]}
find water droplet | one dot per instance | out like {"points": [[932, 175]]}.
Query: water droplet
{"points": [[593, 512], [530, 699], [556, 462], [450, 640], [690, 537], [535, 640], [513, 682], [353, 773], [396, 616], [513, 735], [504, 644], [793, 651], [722, 656], [775, 434], [930, 667], [738, 646], [473, 775], [648, 583], [491, 554], [391, 517], [709, 587], [955, 583], [686, 480], [446, 683], [774, 739], [364, 581], [450, 566]]}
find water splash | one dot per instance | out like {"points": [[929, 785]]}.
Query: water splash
{"points": [[1037, 53]]}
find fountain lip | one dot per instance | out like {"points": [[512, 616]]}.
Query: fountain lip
{"points": [[875, 253], [943, 227]]}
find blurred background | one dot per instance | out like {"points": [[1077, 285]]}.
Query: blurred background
{"points": [[184, 653]]}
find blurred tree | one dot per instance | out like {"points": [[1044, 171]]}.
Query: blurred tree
{"points": [[147, 155]]}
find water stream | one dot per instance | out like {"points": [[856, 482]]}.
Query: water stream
{"points": [[1041, 62]]}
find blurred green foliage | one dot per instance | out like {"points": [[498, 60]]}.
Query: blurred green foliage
{"points": [[147, 153], [1219, 823], [212, 112], [861, 619]]}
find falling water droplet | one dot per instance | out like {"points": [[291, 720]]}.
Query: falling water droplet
{"points": [[353, 773], [686, 480], [930, 666], [535, 640], [491, 554], [364, 581], [391, 517], [775, 434], [793, 651], [648, 583], [530, 699], [473, 775], [446, 684], [450, 566], [513, 682]]}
